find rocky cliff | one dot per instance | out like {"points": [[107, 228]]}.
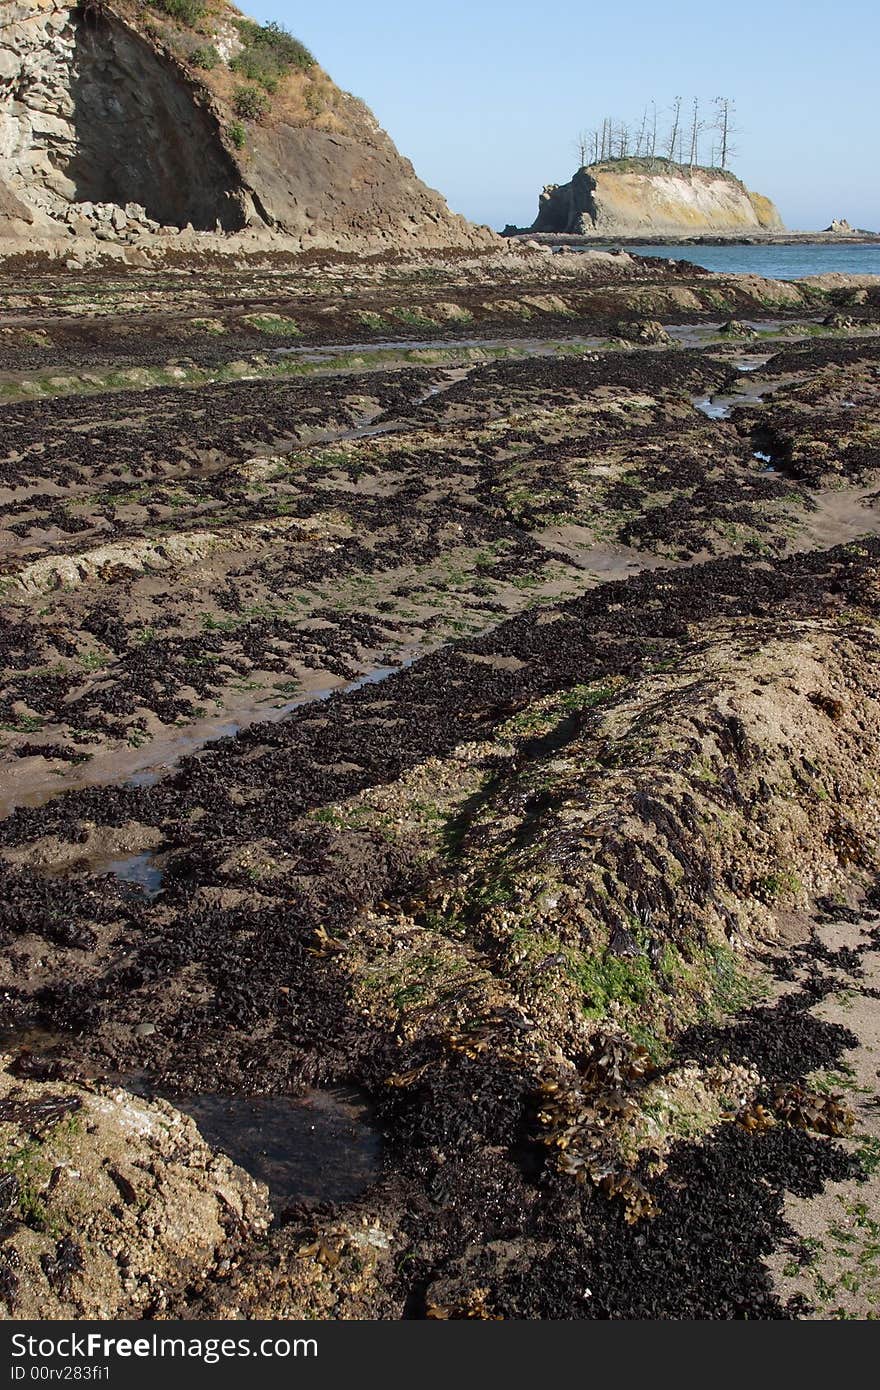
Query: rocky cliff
{"points": [[629, 197], [121, 117]]}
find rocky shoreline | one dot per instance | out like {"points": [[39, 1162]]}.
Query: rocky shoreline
{"points": [[440, 692], [685, 238]]}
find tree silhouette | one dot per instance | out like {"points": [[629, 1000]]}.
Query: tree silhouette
{"points": [[725, 117], [621, 139]]}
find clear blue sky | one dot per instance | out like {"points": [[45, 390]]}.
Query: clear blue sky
{"points": [[487, 96]]}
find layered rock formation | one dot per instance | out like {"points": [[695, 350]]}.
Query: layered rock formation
{"points": [[630, 197], [109, 103]]}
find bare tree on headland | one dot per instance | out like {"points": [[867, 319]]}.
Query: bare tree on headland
{"points": [[725, 124], [616, 139], [676, 127], [653, 134], [696, 130], [642, 136]]}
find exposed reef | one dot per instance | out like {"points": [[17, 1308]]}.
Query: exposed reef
{"points": [[439, 692]]}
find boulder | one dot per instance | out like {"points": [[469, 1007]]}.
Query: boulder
{"points": [[734, 329]]}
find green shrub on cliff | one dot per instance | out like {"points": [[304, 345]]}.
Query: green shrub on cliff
{"points": [[250, 102], [186, 11], [205, 57], [269, 53], [658, 164]]}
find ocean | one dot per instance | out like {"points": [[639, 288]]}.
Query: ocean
{"points": [[775, 262]]}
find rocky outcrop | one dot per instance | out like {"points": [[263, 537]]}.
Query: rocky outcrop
{"points": [[108, 105], [629, 197], [108, 1199]]}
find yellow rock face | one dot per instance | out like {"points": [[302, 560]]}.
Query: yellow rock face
{"points": [[635, 198], [667, 202]]}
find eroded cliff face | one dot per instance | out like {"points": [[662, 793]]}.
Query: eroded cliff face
{"points": [[102, 107], [617, 199], [36, 44], [142, 134], [91, 112]]}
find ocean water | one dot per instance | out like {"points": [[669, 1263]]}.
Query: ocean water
{"points": [[775, 262]]}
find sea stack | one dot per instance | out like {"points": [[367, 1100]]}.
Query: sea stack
{"points": [[653, 197]]}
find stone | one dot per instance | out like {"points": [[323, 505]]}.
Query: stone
{"points": [[651, 332], [734, 329], [145, 1198]]}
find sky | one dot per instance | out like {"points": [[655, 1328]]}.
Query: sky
{"points": [[487, 97]]}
